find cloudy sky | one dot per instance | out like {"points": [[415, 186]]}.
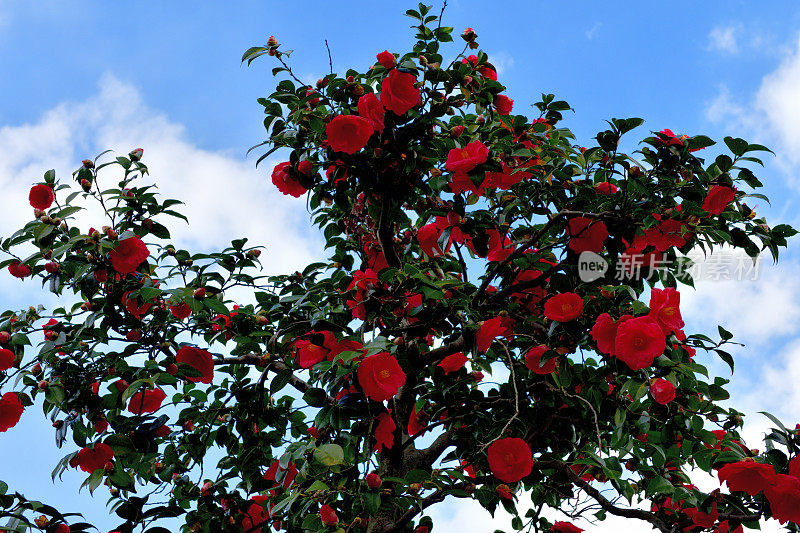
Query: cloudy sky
{"points": [[82, 77]]}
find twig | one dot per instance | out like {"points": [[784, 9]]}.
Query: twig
{"points": [[330, 60]]}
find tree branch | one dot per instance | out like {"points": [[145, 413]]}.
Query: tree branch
{"points": [[272, 365]]}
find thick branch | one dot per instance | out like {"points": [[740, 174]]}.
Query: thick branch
{"points": [[602, 500], [385, 234], [271, 365], [436, 355]]}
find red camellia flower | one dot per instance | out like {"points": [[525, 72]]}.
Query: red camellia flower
{"points": [[564, 307], [747, 476], [665, 309], [283, 179], [500, 245], [453, 362], [503, 180], [384, 431], [605, 187], [62, 528], [19, 270], [565, 527], [398, 93], [604, 332], [308, 354], [371, 109], [41, 196], [90, 459], [638, 342], [10, 411], [488, 331], [586, 234], [462, 160], [386, 59], [428, 238], [133, 306], [255, 515], [180, 311], [100, 425], [128, 255], [662, 391], [146, 401], [503, 104], [794, 466], [374, 481], [484, 70], [784, 498], [504, 491], [533, 361], [380, 376], [510, 459], [703, 519], [348, 133], [416, 422], [274, 471], [671, 138], [198, 359], [328, 516], [718, 199], [6, 359], [666, 234]]}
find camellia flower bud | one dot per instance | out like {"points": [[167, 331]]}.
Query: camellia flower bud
{"points": [[456, 131], [86, 185], [4, 337], [374, 481], [469, 35], [136, 155], [272, 42], [88, 163], [200, 293]]}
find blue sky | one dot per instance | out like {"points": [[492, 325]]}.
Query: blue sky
{"points": [[82, 77]]}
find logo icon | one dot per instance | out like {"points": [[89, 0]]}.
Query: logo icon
{"points": [[591, 266]]}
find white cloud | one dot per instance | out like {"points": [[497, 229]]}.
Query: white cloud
{"points": [[776, 390], [778, 99], [225, 196], [763, 305], [723, 38], [502, 61], [772, 114], [592, 32]]}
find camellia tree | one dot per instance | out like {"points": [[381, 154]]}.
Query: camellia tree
{"points": [[498, 320]]}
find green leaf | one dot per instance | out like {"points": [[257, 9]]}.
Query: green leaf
{"points": [[372, 502], [737, 146], [329, 455], [315, 397], [216, 305]]}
